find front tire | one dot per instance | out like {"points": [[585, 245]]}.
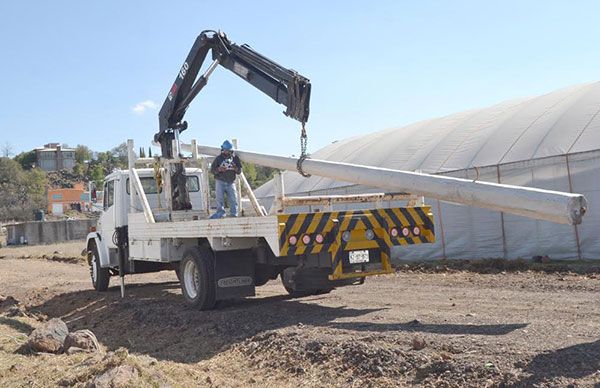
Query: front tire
{"points": [[100, 276], [197, 270]]}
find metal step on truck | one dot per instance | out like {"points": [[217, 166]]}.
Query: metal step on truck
{"points": [[219, 259]]}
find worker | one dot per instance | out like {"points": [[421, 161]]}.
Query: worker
{"points": [[225, 167]]}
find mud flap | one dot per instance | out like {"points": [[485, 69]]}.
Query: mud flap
{"points": [[234, 274]]}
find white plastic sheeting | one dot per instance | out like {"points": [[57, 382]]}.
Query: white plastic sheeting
{"points": [[550, 142]]}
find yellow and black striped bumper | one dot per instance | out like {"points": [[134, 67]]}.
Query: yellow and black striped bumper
{"points": [[387, 226]]}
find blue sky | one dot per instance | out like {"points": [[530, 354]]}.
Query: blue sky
{"points": [[73, 71]]}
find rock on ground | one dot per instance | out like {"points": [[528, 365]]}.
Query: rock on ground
{"points": [[418, 343], [49, 337], [82, 339], [117, 377]]}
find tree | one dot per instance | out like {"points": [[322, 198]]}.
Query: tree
{"points": [[97, 175], [78, 169], [9, 170], [7, 150], [36, 182], [249, 170], [21, 192], [82, 154], [108, 162], [26, 159], [263, 174], [120, 155]]}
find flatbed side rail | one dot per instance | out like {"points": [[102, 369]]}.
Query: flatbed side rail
{"points": [[135, 186]]}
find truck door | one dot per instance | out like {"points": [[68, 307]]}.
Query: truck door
{"points": [[106, 223]]}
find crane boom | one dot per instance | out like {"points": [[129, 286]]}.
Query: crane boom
{"points": [[283, 85]]}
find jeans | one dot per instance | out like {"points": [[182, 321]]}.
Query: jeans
{"points": [[222, 188]]}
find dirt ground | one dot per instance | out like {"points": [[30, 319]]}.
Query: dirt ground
{"points": [[442, 327]]}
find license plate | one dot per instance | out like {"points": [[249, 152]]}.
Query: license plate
{"points": [[357, 257]]}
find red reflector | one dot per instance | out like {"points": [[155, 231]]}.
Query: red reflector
{"points": [[293, 240], [405, 231], [394, 232], [319, 238], [416, 231], [306, 239]]}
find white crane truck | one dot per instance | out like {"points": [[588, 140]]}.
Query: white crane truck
{"points": [[158, 218], [226, 258]]}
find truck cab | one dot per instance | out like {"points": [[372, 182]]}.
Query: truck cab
{"points": [[115, 209], [117, 192]]}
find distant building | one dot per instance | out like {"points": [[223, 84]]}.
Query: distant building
{"points": [[61, 200], [52, 157], [76, 198]]}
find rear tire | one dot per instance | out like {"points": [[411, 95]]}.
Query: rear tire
{"points": [[197, 271], [100, 276]]}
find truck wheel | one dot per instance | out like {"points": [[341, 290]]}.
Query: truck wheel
{"points": [[198, 278], [100, 276]]}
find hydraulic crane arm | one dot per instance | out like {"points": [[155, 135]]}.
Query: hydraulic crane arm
{"points": [[285, 86]]}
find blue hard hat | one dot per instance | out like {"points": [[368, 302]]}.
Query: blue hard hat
{"points": [[227, 146]]}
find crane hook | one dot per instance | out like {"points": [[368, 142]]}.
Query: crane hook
{"points": [[303, 154]]}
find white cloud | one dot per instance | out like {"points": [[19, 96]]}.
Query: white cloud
{"points": [[141, 107]]}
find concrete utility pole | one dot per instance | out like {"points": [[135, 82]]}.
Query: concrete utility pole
{"points": [[555, 206]]}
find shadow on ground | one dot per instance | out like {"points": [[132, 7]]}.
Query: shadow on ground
{"points": [[573, 362], [22, 327], [414, 326], [154, 320]]}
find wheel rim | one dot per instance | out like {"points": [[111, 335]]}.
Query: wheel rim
{"points": [[190, 279], [94, 270]]}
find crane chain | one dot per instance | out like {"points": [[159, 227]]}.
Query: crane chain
{"points": [[303, 154]]}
